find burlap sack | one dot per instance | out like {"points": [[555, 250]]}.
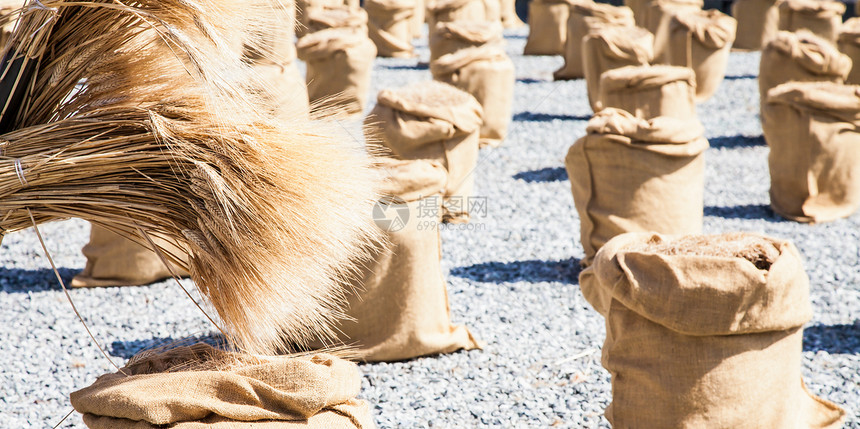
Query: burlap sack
{"points": [[339, 61], [198, 386], [389, 26], [700, 40], [611, 48], [758, 22], [705, 331], [418, 18], [487, 73], [800, 57], [113, 260], [849, 44], [305, 7], [508, 14], [450, 37], [628, 174], [813, 131], [439, 11], [400, 309], [821, 17], [586, 18], [342, 17], [649, 92], [433, 121], [547, 27], [640, 10], [660, 11]]}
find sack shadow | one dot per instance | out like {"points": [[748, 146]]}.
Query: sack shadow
{"points": [[16, 280], [744, 211], [736, 142], [531, 80], [834, 339], [741, 77], [416, 66], [127, 349], [547, 117], [533, 271], [549, 174]]}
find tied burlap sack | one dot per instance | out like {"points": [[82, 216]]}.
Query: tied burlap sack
{"points": [[389, 26], [849, 44], [305, 7], [758, 22], [700, 40], [342, 17], [198, 386], [418, 18], [113, 260], [400, 309], [439, 11], [450, 37], [547, 26], [813, 131], [705, 331], [433, 121], [339, 61], [800, 57], [611, 48], [659, 12], [586, 18], [649, 92], [508, 14], [487, 73], [821, 17], [628, 174]]}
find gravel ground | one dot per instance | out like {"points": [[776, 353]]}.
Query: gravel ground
{"points": [[512, 278]]}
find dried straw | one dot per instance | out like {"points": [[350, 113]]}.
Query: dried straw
{"points": [[760, 251], [141, 115]]}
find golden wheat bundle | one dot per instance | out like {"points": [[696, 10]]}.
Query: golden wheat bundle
{"points": [[139, 116]]}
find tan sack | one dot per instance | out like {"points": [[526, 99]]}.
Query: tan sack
{"points": [[611, 48], [390, 28], [585, 18], [487, 73], [758, 22], [198, 386], [649, 92], [304, 7], [339, 61], [434, 121], [343, 17], [705, 332], [800, 57], [508, 14], [461, 10], [849, 44], [660, 11], [700, 40], [813, 131], [547, 27], [821, 17], [449, 37], [640, 10], [628, 174], [418, 18], [113, 260], [400, 309]]}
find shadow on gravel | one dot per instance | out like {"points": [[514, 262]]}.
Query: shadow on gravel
{"points": [[533, 271], [417, 66], [14, 280], [844, 339], [736, 141], [549, 174], [746, 211], [741, 77], [127, 349], [531, 80], [546, 117]]}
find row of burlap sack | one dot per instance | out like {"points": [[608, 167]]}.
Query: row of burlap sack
{"points": [[759, 20], [705, 331], [199, 386]]}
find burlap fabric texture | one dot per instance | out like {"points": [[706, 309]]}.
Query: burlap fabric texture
{"points": [[629, 175], [341, 17], [389, 26], [113, 260], [813, 131], [758, 22], [437, 122], [449, 37], [419, 18], [305, 7], [650, 91], [339, 62], [700, 40], [585, 18], [849, 44], [659, 12], [821, 17], [640, 10], [705, 331], [547, 27], [198, 386], [800, 57], [611, 48], [400, 309], [487, 73], [508, 14], [439, 11]]}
